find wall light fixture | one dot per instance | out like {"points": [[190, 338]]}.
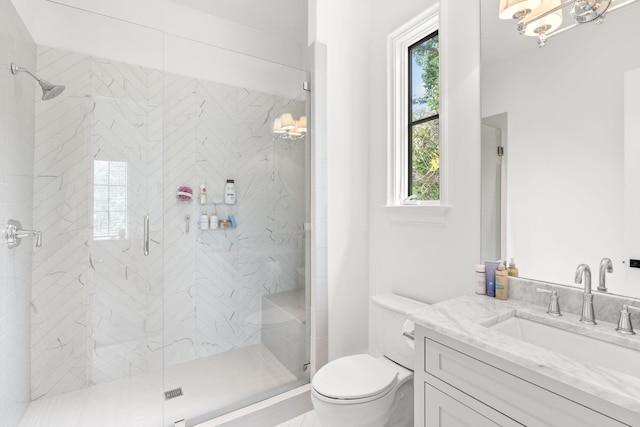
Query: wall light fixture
{"points": [[543, 18]]}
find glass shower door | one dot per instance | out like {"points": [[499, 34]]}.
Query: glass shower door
{"points": [[236, 305], [97, 298], [126, 253]]}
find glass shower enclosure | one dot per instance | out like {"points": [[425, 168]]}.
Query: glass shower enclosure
{"points": [[153, 302]]}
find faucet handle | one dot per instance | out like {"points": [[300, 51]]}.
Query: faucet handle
{"points": [[624, 322], [554, 303]]}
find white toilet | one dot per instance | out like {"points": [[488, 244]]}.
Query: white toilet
{"points": [[367, 391]]}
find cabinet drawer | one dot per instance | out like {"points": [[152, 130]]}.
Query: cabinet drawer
{"points": [[449, 407], [518, 399]]}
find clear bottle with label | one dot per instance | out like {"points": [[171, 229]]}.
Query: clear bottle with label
{"points": [[502, 283], [204, 221], [230, 192], [213, 221]]}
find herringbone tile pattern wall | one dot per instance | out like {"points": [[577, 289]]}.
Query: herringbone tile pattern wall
{"points": [[102, 310]]}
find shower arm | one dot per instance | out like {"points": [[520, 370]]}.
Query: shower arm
{"points": [[15, 69], [49, 90]]}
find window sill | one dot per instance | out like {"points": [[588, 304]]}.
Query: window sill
{"points": [[418, 214]]}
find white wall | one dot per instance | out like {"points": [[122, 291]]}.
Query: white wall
{"points": [[156, 34], [17, 100], [430, 263], [367, 254], [343, 26]]}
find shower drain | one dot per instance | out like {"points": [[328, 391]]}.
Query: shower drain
{"points": [[172, 394]]}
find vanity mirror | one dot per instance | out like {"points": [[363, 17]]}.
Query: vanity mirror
{"points": [[569, 116]]}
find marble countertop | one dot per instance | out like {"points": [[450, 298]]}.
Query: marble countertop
{"points": [[467, 319]]}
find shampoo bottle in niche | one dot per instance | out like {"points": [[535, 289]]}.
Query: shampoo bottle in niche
{"points": [[203, 193], [230, 192], [512, 270], [213, 221], [502, 282], [204, 221], [490, 268]]}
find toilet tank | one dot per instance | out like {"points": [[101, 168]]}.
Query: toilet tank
{"points": [[389, 313]]}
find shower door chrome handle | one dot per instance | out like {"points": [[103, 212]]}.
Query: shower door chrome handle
{"points": [[146, 235]]}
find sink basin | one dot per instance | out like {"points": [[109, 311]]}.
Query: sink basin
{"points": [[580, 348]]}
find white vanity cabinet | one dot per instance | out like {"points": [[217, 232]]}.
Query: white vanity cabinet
{"points": [[445, 410], [458, 385]]}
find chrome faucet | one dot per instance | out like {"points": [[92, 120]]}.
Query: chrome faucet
{"points": [[606, 266], [624, 322], [14, 234], [554, 305], [588, 316]]}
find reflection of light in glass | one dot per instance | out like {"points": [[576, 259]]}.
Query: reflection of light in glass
{"points": [[109, 199], [286, 127]]}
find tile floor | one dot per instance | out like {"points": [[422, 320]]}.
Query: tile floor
{"points": [[307, 419], [208, 384]]}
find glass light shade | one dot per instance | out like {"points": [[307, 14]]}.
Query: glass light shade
{"points": [[277, 126], [295, 131], [302, 124], [549, 23], [287, 121], [508, 8]]}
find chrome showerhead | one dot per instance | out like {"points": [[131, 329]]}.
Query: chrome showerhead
{"points": [[49, 90]]}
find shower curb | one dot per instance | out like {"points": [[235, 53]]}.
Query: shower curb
{"points": [[268, 412]]}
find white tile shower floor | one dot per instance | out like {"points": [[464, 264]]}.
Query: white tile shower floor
{"points": [[208, 384]]}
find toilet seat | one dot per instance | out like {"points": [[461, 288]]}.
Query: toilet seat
{"points": [[354, 379]]}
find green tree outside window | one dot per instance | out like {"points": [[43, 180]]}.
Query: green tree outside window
{"points": [[424, 144]]}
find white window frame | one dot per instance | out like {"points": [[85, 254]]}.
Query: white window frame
{"points": [[398, 207], [110, 236]]}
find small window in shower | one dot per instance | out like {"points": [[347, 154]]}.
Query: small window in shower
{"points": [[109, 199]]}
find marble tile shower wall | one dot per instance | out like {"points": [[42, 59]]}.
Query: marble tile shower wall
{"points": [[102, 310], [17, 100]]}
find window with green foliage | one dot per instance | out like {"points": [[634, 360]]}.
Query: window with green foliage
{"points": [[424, 119]]}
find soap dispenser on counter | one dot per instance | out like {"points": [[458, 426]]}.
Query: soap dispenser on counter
{"points": [[512, 270]]}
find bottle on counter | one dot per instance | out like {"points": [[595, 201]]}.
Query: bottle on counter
{"points": [[512, 270], [502, 282], [490, 268], [481, 281]]}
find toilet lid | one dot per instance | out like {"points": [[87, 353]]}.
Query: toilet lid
{"points": [[354, 377]]}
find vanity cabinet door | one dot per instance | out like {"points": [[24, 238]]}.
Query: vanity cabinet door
{"points": [[442, 410]]}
